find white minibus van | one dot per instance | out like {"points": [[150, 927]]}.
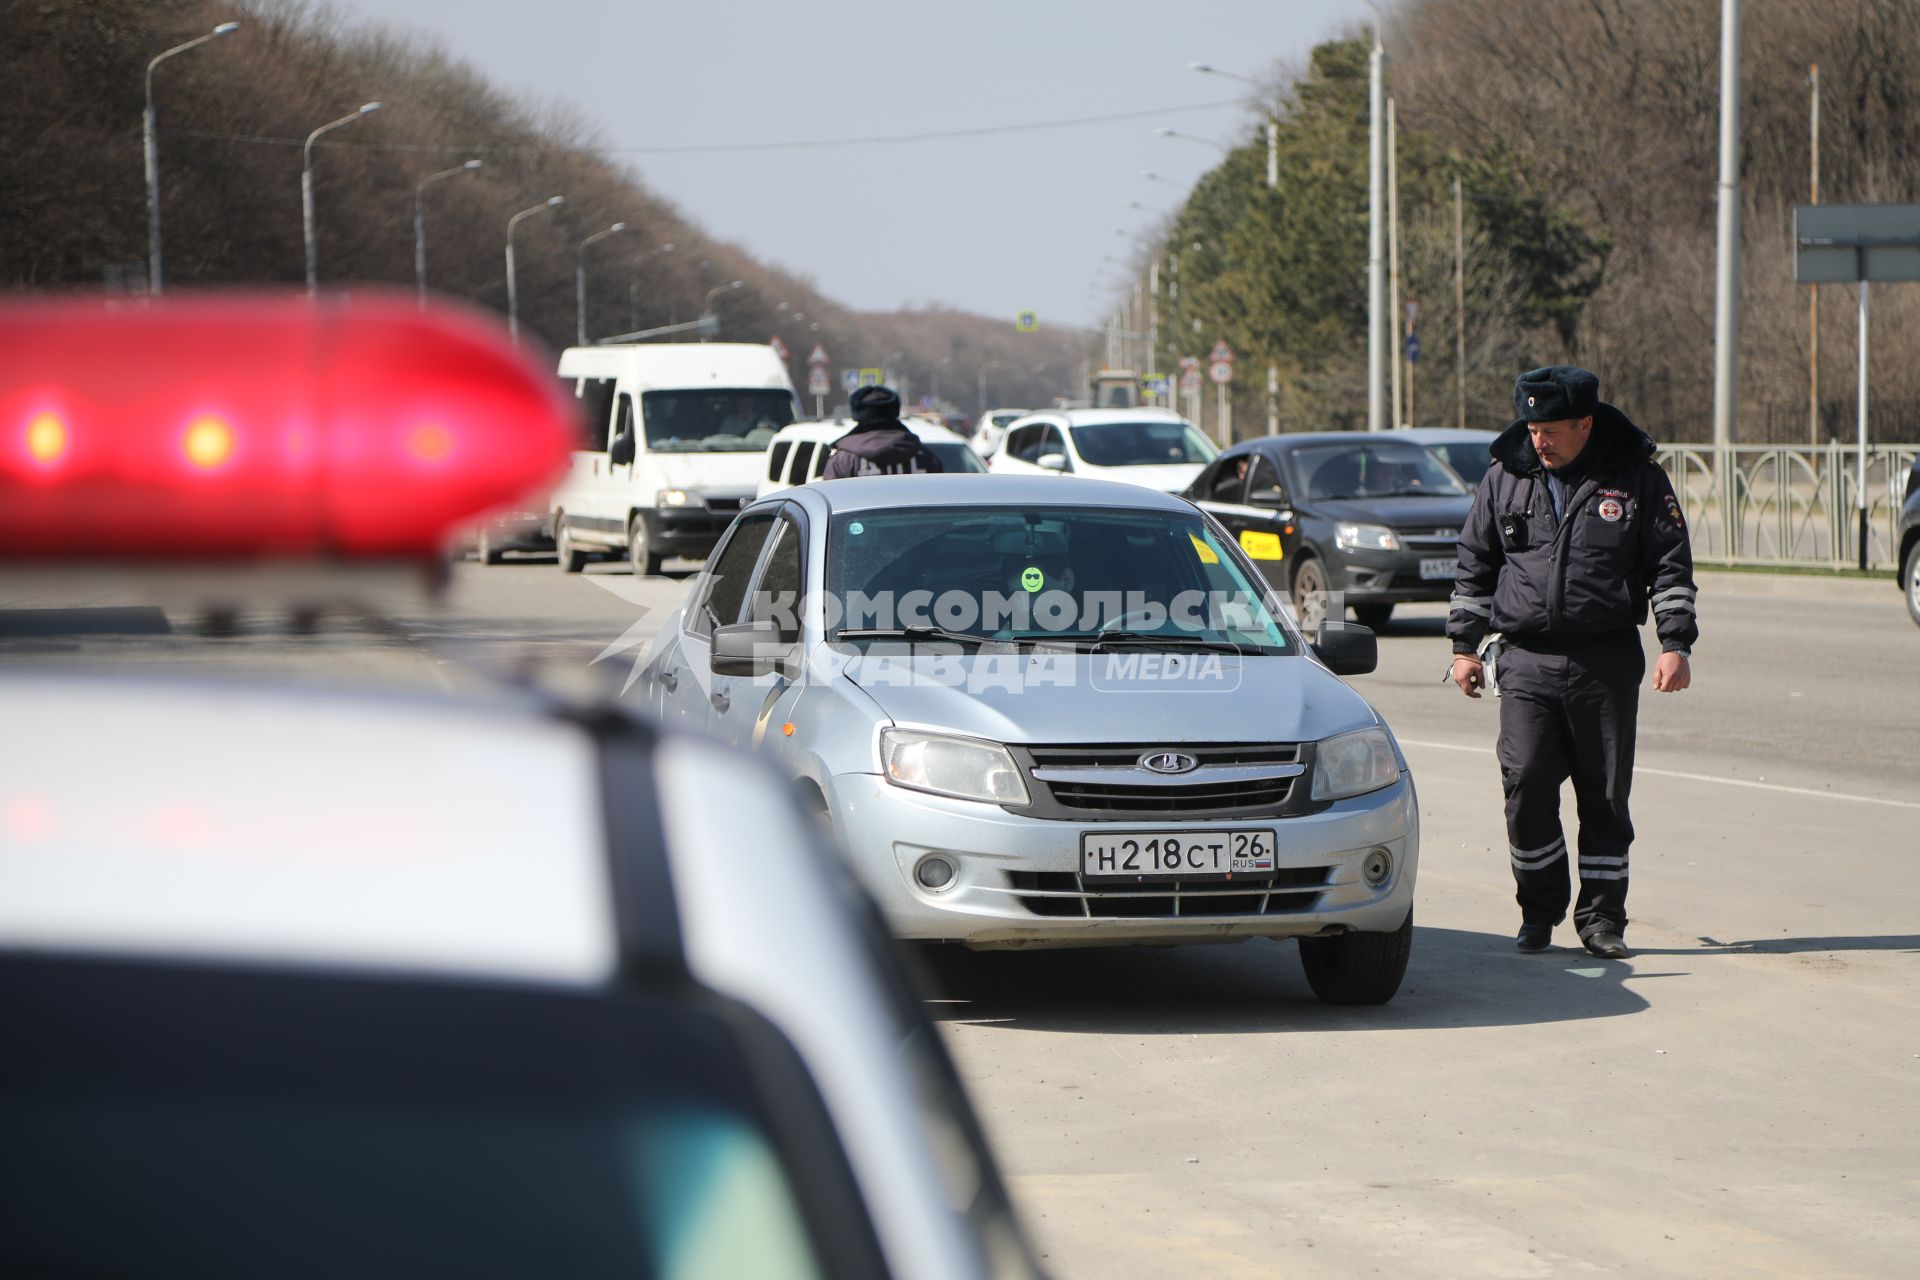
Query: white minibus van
{"points": [[674, 439]]}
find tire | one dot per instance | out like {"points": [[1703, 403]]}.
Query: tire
{"points": [[1911, 576], [1373, 616], [640, 553], [1309, 593], [1358, 968], [484, 551], [571, 558]]}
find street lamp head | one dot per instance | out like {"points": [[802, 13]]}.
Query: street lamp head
{"points": [[1201, 67], [554, 202], [1166, 133], [735, 284], [618, 226], [666, 248], [472, 164], [226, 28], [368, 108]]}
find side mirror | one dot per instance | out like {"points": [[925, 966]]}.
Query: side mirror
{"points": [[1051, 462], [1273, 496], [620, 450], [748, 649], [1348, 649]]}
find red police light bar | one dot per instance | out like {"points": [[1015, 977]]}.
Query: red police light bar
{"points": [[264, 425]]}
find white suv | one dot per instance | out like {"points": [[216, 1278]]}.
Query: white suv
{"points": [[1153, 448]]}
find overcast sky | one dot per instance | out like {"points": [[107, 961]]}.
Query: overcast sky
{"points": [[993, 224]]}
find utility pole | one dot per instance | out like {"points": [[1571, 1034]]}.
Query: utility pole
{"points": [[1273, 368], [1726, 310], [1813, 302], [1393, 256], [1460, 298], [1153, 320], [1376, 246], [1273, 154]]}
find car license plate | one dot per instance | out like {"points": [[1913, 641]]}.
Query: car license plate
{"points": [[1176, 855], [1437, 567]]}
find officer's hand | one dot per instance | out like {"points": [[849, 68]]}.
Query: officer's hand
{"points": [[1672, 673], [1469, 674]]}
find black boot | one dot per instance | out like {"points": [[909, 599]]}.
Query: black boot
{"points": [[1606, 944], [1534, 937]]}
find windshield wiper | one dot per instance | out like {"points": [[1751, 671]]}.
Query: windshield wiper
{"points": [[1157, 639], [912, 633], [1420, 493]]}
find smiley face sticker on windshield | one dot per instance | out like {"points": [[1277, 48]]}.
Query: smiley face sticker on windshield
{"points": [[1032, 579]]}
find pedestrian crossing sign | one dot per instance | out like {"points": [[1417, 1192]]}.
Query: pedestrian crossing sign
{"points": [[1027, 322]]}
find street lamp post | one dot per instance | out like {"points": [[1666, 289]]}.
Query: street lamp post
{"points": [[152, 147], [306, 188], [580, 279], [513, 287], [420, 221], [1215, 143]]}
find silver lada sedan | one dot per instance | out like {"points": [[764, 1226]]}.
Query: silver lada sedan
{"points": [[1044, 711]]}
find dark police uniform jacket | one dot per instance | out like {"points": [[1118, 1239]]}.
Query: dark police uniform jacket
{"points": [[1620, 547]]}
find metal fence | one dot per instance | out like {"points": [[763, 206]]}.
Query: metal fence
{"points": [[1790, 505]]}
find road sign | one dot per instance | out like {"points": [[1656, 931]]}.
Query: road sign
{"points": [[1159, 385], [1842, 243], [819, 356], [1222, 354], [1413, 348], [1221, 371], [1413, 314], [850, 380], [872, 377], [1027, 321], [818, 384], [779, 347], [1189, 362], [1190, 380]]}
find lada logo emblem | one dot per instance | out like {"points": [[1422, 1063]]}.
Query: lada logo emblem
{"points": [[1169, 762]]}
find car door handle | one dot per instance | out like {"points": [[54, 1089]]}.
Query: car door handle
{"points": [[720, 701], [669, 681]]}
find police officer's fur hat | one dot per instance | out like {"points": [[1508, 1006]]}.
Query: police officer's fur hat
{"points": [[1555, 393], [876, 404]]}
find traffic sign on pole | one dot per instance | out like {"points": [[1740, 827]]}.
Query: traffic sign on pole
{"points": [[1221, 371], [1222, 353], [779, 347], [1413, 348], [1027, 322], [818, 383], [819, 357]]}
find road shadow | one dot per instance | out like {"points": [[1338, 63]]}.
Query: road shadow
{"points": [[129, 620], [1456, 979], [1398, 627], [1905, 942]]}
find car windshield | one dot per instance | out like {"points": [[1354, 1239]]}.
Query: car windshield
{"points": [[1072, 574], [623, 1133], [1469, 458], [1007, 419], [1141, 444], [726, 420], [958, 458], [1387, 469]]}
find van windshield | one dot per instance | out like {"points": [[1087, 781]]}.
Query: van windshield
{"points": [[714, 420]]}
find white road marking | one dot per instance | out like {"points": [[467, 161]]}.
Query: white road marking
{"points": [[1698, 777]]}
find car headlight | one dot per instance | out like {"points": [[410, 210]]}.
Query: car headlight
{"points": [[965, 768], [673, 498], [1354, 764], [1365, 537]]}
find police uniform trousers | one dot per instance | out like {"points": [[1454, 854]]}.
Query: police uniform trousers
{"points": [[1568, 709]]}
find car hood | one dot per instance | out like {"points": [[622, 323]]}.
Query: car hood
{"points": [[727, 474], [1398, 513], [1171, 477], [1099, 697]]}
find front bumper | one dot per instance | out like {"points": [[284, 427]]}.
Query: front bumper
{"points": [[1018, 877], [1390, 577], [688, 532]]}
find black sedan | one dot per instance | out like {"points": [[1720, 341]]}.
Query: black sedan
{"points": [[1910, 543], [1370, 521]]}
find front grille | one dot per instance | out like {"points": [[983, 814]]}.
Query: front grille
{"points": [[1232, 780], [724, 504], [1431, 538], [1067, 894]]}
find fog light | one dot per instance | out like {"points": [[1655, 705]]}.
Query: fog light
{"points": [[1377, 867], [934, 873]]}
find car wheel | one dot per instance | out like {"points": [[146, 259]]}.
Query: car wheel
{"points": [[483, 549], [1310, 594], [1358, 968], [1374, 616], [572, 559], [640, 552]]}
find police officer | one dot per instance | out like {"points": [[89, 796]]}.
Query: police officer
{"points": [[1573, 534], [879, 444]]}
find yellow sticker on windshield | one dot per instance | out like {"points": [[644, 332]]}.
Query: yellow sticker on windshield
{"points": [[1032, 579], [1260, 545], [1207, 554]]}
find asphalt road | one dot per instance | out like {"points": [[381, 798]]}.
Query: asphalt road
{"points": [[1742, 1097]]}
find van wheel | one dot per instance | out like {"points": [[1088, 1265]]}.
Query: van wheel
{"points": [[1358, 968], [640, 552], [1913, 583], [572, 559]]}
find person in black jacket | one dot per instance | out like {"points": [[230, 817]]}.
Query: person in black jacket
{"points": [[1574, 533], [879, 444]]}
